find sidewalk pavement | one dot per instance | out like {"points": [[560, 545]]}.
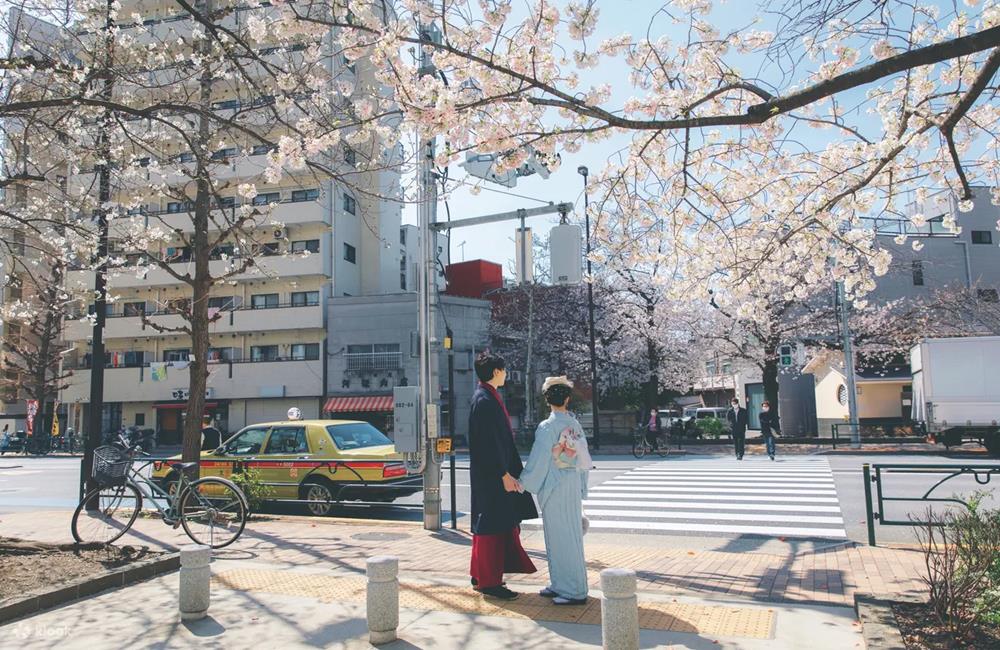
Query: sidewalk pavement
{"points": [[304, 578]]}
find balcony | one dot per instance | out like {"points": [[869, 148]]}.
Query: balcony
{"points": [[368, 361], [283, 317], [278, 266], [228, 380]]}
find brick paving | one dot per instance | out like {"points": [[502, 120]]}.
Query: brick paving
{"points": [[827, 576]]}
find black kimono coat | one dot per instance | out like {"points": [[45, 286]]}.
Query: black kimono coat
{"points": [[491, 455]]}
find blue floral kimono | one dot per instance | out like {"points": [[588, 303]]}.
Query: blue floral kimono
{"points": [[557, 472]]}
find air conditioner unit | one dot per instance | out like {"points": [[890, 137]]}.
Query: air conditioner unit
{"points": [[281, 233]]}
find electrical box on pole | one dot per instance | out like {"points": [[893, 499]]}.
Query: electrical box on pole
{"points": [[405, 418], [566, 253]]}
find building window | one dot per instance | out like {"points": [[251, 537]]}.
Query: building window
{"points": [[264, 301], [227, 202], [261, 149], [225, 154], [174, 207], [402, 236], [183, 354], [982, 237], [179, 305], [225, 303], [988, 295], [140, 419], [311, 245], [711, 368], [134, 308], [918, 273], [305, 298], [269, 249], [264, 353], [178, 254], [304, 195], [350, 157], [350, 205], [186, 157], [267, 198], [215, 355], [305, 351], [350, 253]]}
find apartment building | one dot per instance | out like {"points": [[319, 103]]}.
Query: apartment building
{"points": [[314, 238]]}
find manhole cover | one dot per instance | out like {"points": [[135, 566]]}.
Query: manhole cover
{"points": [[380, 537]]}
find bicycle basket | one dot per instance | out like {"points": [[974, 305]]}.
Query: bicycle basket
{"points": [[111, 466]]}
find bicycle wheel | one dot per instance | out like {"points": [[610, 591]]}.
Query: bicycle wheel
{"points": [[213, 511], [662, 447], [638, 447], [114, 510]]}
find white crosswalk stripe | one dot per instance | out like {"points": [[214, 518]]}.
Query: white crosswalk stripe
{"points": [[794, 498]]}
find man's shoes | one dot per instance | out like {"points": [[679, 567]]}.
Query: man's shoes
{"points": [[503, 593], [739, 457], [548, 593], [559, 600], [772, 456]]}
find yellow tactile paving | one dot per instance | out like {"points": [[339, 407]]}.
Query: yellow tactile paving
{"points": [[755, 623]]}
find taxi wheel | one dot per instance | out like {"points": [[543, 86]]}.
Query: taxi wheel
{"points": [[319, 497]]}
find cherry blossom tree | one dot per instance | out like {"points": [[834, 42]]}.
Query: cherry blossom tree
{"points": [[846, 106]]}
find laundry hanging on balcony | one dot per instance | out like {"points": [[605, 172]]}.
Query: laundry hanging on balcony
{"points": [[158, 371]]}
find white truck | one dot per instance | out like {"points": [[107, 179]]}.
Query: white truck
{"points": [[956, 390]]}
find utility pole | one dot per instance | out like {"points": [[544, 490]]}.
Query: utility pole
{"points": [[595, 396], [94, 422], [427, 309], [852, 400]]}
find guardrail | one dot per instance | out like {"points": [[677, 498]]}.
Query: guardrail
{"points": [[982, 474]]}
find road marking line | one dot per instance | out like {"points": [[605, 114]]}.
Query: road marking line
{"points": [[695, 505], [643, 488], [771, 531], [705, 482], [717, 497], [714, 516]]}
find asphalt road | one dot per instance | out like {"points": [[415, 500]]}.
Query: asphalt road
{"points": [[689, 501]]}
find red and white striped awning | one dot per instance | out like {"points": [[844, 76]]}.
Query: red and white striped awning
{"points": [[358, 404]]}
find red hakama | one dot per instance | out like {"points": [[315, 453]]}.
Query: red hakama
{"points": [[495, 555]]}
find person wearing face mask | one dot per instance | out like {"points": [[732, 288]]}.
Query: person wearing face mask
{"points": [[737, 417], [769, 427]]}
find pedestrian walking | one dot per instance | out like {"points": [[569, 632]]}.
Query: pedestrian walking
{"points": [[737, 416], [499, 504], [557, 472], [769, 427], [211, 438]]}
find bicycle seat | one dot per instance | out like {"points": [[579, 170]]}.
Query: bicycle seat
{"points": [[182, 467]]}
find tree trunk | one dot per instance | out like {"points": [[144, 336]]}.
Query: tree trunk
{"points": [[770, 375], [202, 282]]}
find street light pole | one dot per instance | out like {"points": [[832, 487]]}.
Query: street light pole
{"points": [[583, 171]]}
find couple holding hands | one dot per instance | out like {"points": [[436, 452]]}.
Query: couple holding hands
{"points": [[556, 471]]}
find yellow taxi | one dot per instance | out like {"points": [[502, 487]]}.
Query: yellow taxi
{"points": [[320, 462]]}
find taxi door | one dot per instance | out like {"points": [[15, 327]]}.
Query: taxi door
{"points": [[286, 444], [241, 449]]}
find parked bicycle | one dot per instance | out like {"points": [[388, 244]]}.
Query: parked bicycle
{"points": [[641, 445], [212, 510]]}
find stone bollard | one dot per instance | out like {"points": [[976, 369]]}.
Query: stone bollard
{"points": [[619, 610], [195, 578], [383, 599]]}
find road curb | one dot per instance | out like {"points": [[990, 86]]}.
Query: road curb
{"points": [[43, 599], [878, 622]]}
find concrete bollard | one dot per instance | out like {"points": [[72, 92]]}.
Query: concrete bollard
{"points": [[383, 599], [619, 610], [194, 582]]}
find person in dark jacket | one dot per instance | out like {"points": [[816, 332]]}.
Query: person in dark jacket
{"points": [[211, 438], [653, 428], [769, 427], [737, 417], [499, 504]]}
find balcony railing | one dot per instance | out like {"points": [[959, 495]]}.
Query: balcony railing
{"points": [[374, 360]]}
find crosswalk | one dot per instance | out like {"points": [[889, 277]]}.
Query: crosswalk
{"points": [[786, 498]]}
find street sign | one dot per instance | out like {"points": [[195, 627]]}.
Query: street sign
{"points": [[444, 445], [405, 418]]}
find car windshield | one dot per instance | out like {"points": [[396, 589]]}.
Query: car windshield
{"points": [[356, 435]]}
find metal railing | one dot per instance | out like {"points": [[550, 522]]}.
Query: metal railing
{"points": [[876, 511], [374, 360]]}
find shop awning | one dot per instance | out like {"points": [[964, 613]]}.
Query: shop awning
{"points": [[358, 404], [182, 405]]}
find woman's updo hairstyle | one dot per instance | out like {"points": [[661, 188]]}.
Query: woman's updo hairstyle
{"points": [[557, 394]]}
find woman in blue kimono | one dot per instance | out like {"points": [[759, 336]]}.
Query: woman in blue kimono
{"points": [[557, 472]]}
